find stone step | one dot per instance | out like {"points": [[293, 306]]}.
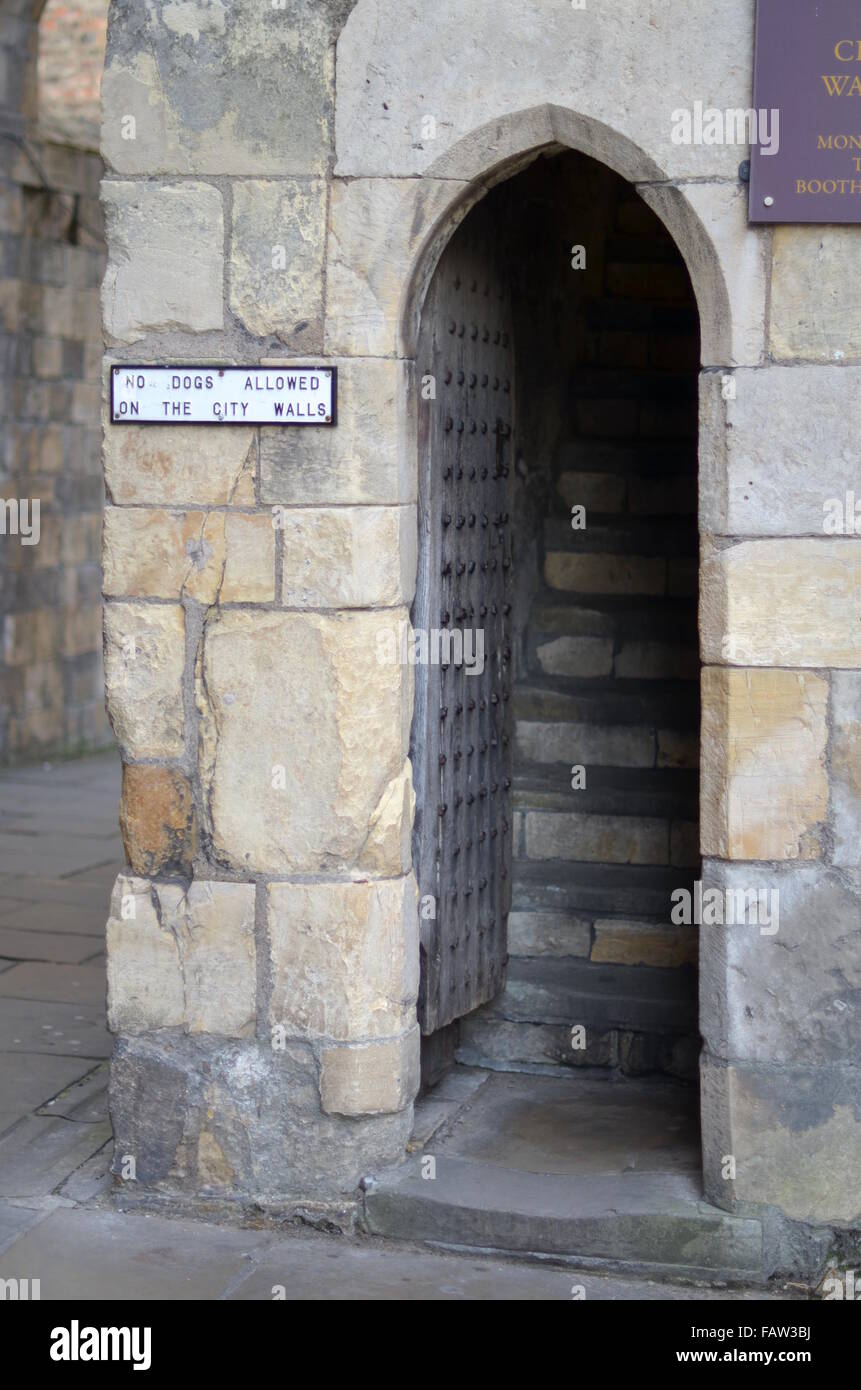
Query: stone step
{"points": [[671, 793], [501, 1045], [621, 535], [589, 572], [613, 615], [659, 494], [654, 705], [569, 744], [598, 890], [572, 655], [598, 995], [606, 940], [601, 1173]]}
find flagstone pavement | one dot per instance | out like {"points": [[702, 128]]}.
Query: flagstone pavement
{"points": [[60, 851]]}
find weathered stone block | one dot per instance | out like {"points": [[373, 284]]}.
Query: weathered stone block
{"points": [[209, 556], [376, 228], [239, 1119], [370, 458], [238, 88], [530, 56], [277, 245], [349, 557], [175, 465], [370, 1078], [794, 1133], [157, 819], [764, 783], [781, 603], [846, 766], [182, 958], [281, 802], [344, 958], [152, 282], [786, 989], [144, 661], [757, 478], [816, 294]]}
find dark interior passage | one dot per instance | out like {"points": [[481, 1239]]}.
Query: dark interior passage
{"points": [[605, 663]]}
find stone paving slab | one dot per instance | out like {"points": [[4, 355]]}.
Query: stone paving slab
{"points": [[104, 1254], [16, 889], [44, 980], [23, 1088], [30, 854], [76, 1030], [57, 917], [47, 946], [38, 1154]]}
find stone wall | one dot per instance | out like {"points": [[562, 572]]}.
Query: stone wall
{"points": [[51, 678], [265, 749]]}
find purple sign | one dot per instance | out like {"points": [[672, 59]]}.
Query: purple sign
{"points": [[808, 71]]}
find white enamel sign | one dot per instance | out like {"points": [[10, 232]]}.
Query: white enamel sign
{"points": [[189, 395]]}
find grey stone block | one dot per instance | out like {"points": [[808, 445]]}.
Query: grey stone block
{"points": [[238, 1120], [790, 997]]}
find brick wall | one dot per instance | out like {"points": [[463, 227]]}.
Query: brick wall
{"points": [[51, 681]]}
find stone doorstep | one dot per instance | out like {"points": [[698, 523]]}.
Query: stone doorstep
{"points": [[643, 1223]]}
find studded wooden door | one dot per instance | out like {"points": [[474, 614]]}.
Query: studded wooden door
{"points": [[461, 745]]}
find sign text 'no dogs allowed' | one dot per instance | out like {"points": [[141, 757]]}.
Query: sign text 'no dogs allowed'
{"points": [[189, 395]]}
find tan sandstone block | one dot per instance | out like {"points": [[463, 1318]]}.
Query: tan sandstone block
{"points": [[277, 246], [303, 729], [376, 228], [644, 943], [144, 661], [782, 603], [180, 465], [208, 556], [816, 293], [157, 819], [182, 958], [370, 1078], [344, 958], [765, 788], [152, 283], [349, 557]]}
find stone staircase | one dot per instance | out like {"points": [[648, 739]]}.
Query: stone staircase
{"points": [[609, 683]]}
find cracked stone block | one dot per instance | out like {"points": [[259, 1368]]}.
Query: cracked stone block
{"points": [[209, 556], [182, 958], [144, 663], [163, 466]]}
